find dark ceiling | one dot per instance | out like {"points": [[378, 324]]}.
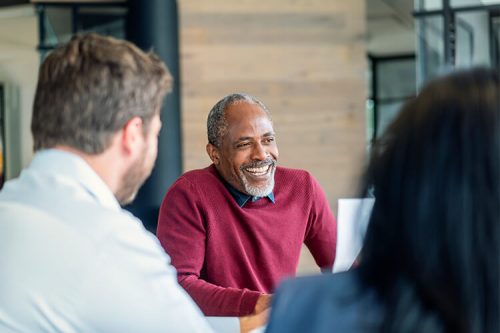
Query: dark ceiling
{"points": [[6, 3]]}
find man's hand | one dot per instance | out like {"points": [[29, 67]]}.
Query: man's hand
{"points": [[253, 321], [263, 302], [259, 316]]}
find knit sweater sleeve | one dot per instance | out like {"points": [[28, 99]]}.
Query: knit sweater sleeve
{"points": [[182, 233], [321, 233]]}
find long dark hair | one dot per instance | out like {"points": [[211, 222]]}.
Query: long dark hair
{"points": [[432, 248]]}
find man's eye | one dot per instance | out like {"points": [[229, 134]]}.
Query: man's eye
{"points": [[243, 145], [268, 140]]}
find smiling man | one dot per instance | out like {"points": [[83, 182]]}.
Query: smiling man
{"points": [[235, 228]]}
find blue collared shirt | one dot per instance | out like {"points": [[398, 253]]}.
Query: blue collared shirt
{"points": [[242, 198]]}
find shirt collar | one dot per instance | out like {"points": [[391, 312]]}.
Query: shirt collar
{"points": [[242, 198], [66, 165]]}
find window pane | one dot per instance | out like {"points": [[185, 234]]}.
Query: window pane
{"points": [[473, 40], [465, 3], [386, 113], [495, 40], [105, 21], [423, 5], [2, 138], [430, 47], [57, 26], [396, 79]]}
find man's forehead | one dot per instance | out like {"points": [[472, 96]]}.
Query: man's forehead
{"points": [[246, 121], [243, 112]]}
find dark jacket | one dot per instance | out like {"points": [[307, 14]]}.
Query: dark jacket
{"points": [[325, 303]]}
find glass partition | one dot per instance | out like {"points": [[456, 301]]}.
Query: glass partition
{"points": [[495, 40], [58, 22], [430, 47], [2, 136], [469, 3], [472, 39], [393, 81], [428, 5], [456, 33]]}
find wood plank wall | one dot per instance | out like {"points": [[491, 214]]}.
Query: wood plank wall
{"points": [[305, 59]]}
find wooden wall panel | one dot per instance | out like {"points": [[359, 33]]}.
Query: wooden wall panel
{"points": [[305, 59]]}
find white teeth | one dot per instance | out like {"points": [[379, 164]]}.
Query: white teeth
{"points": [[258, 171]]}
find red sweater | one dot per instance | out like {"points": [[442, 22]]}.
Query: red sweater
{"points": [[225, 255]]}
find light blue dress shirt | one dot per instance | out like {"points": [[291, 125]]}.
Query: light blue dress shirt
{"points": [[71, 260]]}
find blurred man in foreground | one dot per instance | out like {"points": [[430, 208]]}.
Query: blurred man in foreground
{"points": [[71, 260]]}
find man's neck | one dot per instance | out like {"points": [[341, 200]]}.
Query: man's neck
{"points": [[104, 165]]}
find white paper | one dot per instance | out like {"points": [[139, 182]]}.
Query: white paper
{"points": [[352, 220]]}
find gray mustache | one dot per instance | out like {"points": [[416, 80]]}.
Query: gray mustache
{"points": [[260, 164]]}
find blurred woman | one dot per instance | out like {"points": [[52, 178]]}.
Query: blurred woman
{"points": [[431, 257]]}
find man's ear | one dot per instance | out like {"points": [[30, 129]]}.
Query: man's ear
{"points": [[213, 153], [132, 135]]}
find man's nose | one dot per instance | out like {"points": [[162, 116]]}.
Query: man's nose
{"points": [[259, 152]]}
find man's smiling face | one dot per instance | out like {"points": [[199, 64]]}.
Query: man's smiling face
{"points": [[247, 155]]}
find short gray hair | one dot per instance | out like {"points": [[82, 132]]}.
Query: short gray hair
{"points": [[216, 122]]}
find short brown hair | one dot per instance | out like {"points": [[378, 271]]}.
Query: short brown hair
{"points": [[89, 88]]}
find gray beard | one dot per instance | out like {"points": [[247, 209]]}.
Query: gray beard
{"points": [[258, 191]]}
